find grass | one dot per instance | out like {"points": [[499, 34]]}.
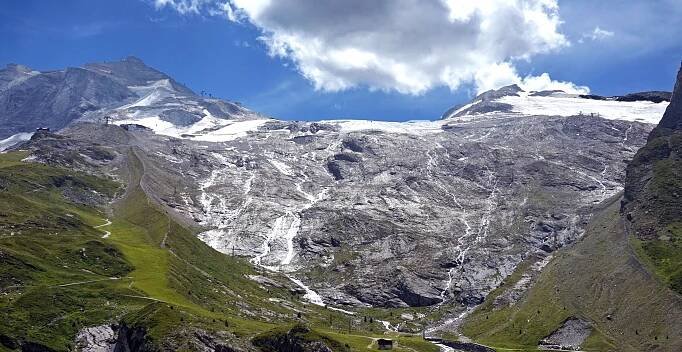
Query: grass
{"points": [[663, 255], [656, 186], [55, 273], [598, 280]]}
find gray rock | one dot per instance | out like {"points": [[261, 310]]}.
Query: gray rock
{"points": [[96, 339], [570, 336]]}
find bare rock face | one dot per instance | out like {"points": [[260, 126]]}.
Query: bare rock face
{"points": [[570, 336], [96, 339], [672, 119]]}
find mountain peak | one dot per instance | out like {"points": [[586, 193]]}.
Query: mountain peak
{"points": [[18, 68], [134, 60], [672, 118]]}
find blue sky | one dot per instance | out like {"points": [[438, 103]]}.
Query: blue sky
{"points": [[612, 47]]}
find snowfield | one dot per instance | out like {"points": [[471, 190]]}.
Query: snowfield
{"points": [[641, 111], [418, 127], [561, 104], [219, 130]]}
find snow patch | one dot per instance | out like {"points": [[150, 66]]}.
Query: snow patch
{"points": [[418, 127], [232, 131], [310, 295], [14, 140], [282, 167]]}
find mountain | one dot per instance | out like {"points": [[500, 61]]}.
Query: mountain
{"points": [[119, 90], [250, 233]]}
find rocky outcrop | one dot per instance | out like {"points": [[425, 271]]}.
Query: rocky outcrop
{"points": [[101, 338], [570, 336], [297, 339], [484, 102], [132, 339], [653, 96]]}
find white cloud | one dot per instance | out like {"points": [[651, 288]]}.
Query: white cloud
{"points": [[182, 6], [409, 46], [197, 7], [504, 74], [597, 34]]}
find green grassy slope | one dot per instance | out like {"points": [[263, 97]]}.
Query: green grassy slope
{"points": [[59, 274], [599, 280]]}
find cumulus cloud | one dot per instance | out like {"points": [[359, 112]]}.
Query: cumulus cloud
{"points": [[409, 46], [504, 74]]}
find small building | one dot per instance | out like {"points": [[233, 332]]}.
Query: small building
{"points": [[43, 129], [385, 344]]}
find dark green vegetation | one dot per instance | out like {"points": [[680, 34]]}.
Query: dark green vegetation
{"points": [[598, 280], [151, 275], [287, 338]]}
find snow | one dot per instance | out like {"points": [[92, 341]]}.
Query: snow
{"points": [[418, 127], [341, 310], [387, 325], [444, 348], [152, 86], [232, 131], [285, 228], [464, 107], [228, 129], [282, 167], [562, 105], [310, 295], [14, 140]]}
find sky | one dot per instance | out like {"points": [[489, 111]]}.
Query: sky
{"points": [[382, 59]]}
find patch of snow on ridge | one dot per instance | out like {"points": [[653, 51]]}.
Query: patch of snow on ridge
{"points": [[232, 131], [224, 130], [408, 127], [642, 111], [14, 140], [150, 94]]}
